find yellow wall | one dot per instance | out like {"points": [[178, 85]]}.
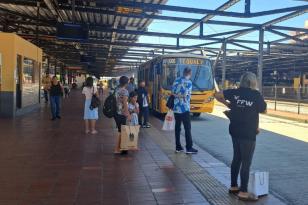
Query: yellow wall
{"points": [[7, 49], [12, 45]]}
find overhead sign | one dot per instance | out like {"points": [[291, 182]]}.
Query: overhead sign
{"points": [[191, 61], [128, 10]]}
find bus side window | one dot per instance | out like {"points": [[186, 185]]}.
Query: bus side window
{"points": [[158, 69], [151, 76]]}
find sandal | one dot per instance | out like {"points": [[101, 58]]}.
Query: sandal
{"points": [[234, 190], [116, 152], [250, 197], [94, 132]]}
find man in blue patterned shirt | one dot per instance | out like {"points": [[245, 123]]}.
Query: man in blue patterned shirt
{"points": [[181, 90]]}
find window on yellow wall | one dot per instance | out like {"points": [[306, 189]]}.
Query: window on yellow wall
{"points": [[28, 71]]}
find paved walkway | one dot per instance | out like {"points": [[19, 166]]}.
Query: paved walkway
{"points": [[54, 163], [281, 149], [288, 115]]}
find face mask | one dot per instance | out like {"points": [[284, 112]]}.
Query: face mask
{"points": [[188, 77]]}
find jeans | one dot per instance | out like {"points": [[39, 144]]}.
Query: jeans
{"points": [[185, 118], [144, 112], [55, 106], [242, 158], [46, 95]]}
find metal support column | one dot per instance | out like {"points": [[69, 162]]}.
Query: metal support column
{"points": [[177, 42], [247, 6], [48, 65], [269, 48], [201, 29], [61, 73], [223, 76], [73, 11], [37, 22], [56, 64], [260, 59]]}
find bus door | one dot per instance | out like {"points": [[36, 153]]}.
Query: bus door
{"points": [[157, 85]]}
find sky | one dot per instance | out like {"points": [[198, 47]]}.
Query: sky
{"points": [[256, 6]]}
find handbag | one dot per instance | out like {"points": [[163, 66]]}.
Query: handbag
{"points": [[95, 102], [170, 102], [129, 137], [169, 122]]}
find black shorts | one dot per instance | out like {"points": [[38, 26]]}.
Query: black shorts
{"points": [[120, 120]]}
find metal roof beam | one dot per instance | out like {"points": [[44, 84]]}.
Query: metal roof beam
{"points": [[223, 7], [49, 22], [287, 36], [170, 35], [277, 11], [158, 17], [246, 47], [151, 7], [271, 22]]}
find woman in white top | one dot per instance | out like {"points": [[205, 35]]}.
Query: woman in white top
{"points": [[90, 115]]}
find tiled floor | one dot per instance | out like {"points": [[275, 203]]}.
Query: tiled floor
{"points": [[54, 163]]}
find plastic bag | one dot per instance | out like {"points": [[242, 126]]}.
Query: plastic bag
{"points": [[169, 122]]}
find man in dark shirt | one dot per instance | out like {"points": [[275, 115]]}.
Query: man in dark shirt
{"points": [[245, 104]]}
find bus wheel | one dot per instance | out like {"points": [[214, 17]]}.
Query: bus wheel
{"points": [[197, 114]]}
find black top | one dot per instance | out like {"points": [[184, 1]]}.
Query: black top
{"points": [[142, 92], [55, 90], [245, 105]]}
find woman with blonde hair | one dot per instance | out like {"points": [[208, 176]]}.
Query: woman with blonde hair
{"points": [[245, 104]]}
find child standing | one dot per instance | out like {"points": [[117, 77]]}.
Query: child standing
{"points": [[133, 108]]}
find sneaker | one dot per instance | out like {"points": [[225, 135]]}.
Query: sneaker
{"points": [[59, 117], [148, 126], [124, 152], [191, 151], [144, 126], [53, 119], [178, 150]]}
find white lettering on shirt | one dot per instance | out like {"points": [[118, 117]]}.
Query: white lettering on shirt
{"points": [[243, 102]]}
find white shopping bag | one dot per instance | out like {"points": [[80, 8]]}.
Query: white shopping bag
{"points": [[258, 183], [169, 122]]}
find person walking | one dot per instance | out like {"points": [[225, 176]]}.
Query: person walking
{"points": [[122, 113], [56, 92], [143, 101], [181, 90], [131, 85], [46, 81], [245, 104], [90, 115]]}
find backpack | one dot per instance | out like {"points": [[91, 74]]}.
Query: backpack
{"points": [[110, 106]]}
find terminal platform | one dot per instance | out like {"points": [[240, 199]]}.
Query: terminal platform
{"points": [[54, 163]]}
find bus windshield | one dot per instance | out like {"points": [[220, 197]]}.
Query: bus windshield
{"points": [[201, 78]]}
